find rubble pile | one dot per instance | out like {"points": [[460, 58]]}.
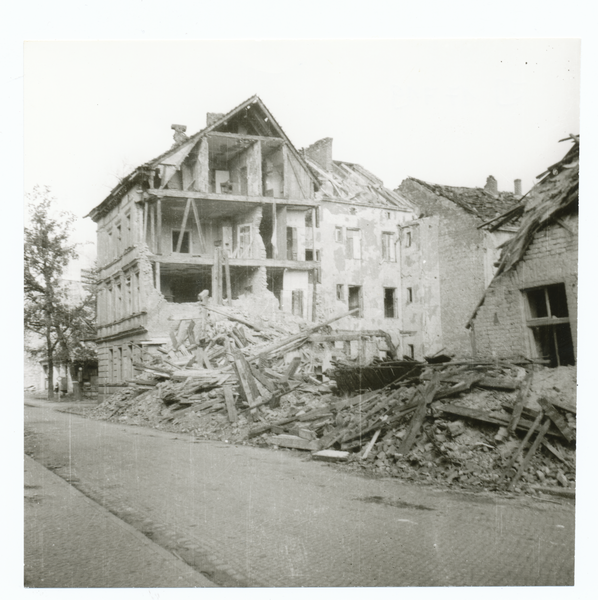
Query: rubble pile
{"points": [[493, 426]]}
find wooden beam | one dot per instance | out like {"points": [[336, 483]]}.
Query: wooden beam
{"points": [[183, 225], [202, 243], [244, 136], [145, 223], [153, 227], [557, 419], [229, 294], [300, 202], [157, 282], [530, 453], [159, 226], [230, 404]]}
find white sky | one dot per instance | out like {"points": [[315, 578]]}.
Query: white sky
{"points": [[449, 112]]}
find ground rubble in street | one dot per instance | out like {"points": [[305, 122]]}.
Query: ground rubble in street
{"points": [[494, 426]]}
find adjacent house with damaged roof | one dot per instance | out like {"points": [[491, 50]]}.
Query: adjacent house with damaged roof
{"points": [[530, 308], [299, 232], [447, 260]]}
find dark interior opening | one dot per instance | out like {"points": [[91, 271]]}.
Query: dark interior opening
{"points": [[389, 303]]}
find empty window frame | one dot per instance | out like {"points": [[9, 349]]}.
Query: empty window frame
{"points": [[292, 243], [410, 350], [355, 298], [409, 297], [185, 243], [388, 246], [548, 320], [353, 244], [338, 234], [408, 239], [297, 307], [340, 292], [390, 303]]}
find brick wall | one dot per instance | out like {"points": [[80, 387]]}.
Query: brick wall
{"points": [[460, 248], [500, 324]]}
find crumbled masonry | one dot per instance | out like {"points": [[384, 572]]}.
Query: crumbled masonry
{"points": [[457, 423]]}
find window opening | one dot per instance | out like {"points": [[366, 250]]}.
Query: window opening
{"points": [[355, 300], [411, 350], [390, 303], [298, 303], [388, 246], [292, 243], [353, 244], [338, 234], [185, 244], [408, 239], [409, 295], [548, 320], [340, 292]]}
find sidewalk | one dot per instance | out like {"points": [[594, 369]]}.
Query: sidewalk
{"points": [[72, 542]]}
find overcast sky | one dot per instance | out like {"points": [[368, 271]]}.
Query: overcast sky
{"points": [[449, 112]]}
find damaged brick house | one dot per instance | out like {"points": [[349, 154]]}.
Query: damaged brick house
{"points": [[295, 231], [530, 308], [448, 260]]}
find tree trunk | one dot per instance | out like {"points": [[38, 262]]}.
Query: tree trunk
{"points": [[50, 351]]}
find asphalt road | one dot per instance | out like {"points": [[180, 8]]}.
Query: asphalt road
{"points": [[252, 517]]}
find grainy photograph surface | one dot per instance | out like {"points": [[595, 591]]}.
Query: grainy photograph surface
{"points": [[301, 314]]}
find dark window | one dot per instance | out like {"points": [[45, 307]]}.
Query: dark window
{"points": [[409, 295], [355, 300], [309, 254], [408, 239], [548, 320], [411, 350], [340, 292], [184, 244], [390, 305]]}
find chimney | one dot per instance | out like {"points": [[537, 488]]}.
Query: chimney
{"points": [[211, 118], [179, 133], [517, 187], [321, 152], [491, 186]]}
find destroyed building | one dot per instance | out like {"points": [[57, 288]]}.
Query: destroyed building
{"points": [[530, 308], [235, 213], [448, 259]]}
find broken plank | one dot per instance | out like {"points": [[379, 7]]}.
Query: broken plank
{"points": [[530, 454], [563, 406], [293, 441], [265, 427], [330, 455], [292, 369], [519, 403], [419, 416], [499, 383], [370, 445], [557, 419], [234, 318], [317, 413], [557, 454], [261, 377], [524, 442], [230, 404], [554, 491]]}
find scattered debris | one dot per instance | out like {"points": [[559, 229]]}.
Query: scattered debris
{"points": [[456, 423]]}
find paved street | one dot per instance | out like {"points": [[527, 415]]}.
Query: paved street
{"points": [[245, 516]]}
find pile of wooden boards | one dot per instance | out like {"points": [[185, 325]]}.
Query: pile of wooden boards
{"points": [[415, 425], [233, 365]]}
